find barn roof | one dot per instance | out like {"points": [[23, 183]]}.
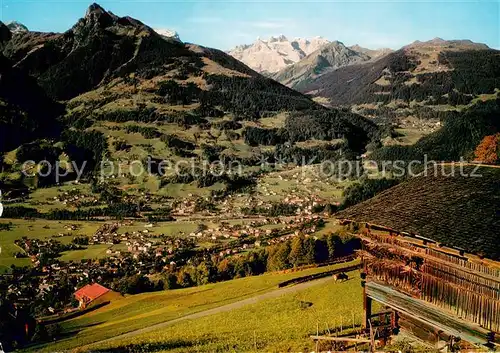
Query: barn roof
{"points": [[91, 292], [457, 211]]}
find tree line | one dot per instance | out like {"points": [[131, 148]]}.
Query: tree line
{"points": [[295, 252], [460, 135], [118, 210]]}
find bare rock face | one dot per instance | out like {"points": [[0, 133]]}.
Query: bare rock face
{"points": [[168, 33], [276, 53], [16, 27], [96, 15]]}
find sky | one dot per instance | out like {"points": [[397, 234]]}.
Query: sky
{"points": [[225, 24]]}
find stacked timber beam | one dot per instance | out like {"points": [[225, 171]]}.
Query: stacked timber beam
{"points": [[465, 288]]}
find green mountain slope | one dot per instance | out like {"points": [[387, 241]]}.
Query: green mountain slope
{"points": [[459, 136], [131, 94], [435, 72]]}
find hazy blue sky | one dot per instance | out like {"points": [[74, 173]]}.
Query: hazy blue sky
{"points": [[223, 24]]}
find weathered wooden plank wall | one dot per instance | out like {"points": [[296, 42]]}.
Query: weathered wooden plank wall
{"points": [[427, 313], [471, 292]]}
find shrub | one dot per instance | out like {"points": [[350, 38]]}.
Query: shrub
{"points": [[488, 151]]}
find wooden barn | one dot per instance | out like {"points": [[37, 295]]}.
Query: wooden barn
{"points": [[431, 257]]}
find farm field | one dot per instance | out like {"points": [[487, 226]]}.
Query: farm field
{"points": [[301, 181], [281, 324], [38, 229], [97, 251], [44, 199], [409, 135], [44, 229], [143, 310]]}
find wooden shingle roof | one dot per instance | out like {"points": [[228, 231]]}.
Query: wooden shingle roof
{"points": [[457, 211]]}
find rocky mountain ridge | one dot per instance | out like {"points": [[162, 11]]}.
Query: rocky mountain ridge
{"points": [[273, 54], [372, 53], [17, 27], [298, 61], [329, 57]]}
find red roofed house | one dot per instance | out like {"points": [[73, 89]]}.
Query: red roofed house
{"points": [[90, 294]]}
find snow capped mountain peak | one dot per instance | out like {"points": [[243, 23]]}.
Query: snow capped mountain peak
{"points": [[276, 53], [16, 27], [168, 33]]}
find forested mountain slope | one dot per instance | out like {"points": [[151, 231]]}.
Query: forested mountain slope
{"points": [[118, 79], [26, 113], [460, 135], [434, 72]]}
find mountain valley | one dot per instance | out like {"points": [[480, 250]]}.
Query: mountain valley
{"points": [[159, 195]]}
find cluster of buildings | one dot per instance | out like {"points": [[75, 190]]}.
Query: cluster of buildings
{"points": [[40, 250], [75, 198], [144, 251]]}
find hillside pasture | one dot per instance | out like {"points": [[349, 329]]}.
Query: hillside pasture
{"points": [[281, 324], [146, 309]]}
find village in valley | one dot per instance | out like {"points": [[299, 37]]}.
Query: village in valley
{"points": [[150, 248]]}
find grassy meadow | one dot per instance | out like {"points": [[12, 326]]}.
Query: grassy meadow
{"points": [[281, 324], [38, 229], [139, 311], [44, 199], [44, 229]]}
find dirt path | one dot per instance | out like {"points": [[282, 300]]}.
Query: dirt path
{"points": [[220, 309]]}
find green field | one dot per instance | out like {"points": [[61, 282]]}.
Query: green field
{"points": [[143, 310], [409, 136], [302, 181], [43, 229], [91, 252], [281, 324], [43, 198], [37, 229]]}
